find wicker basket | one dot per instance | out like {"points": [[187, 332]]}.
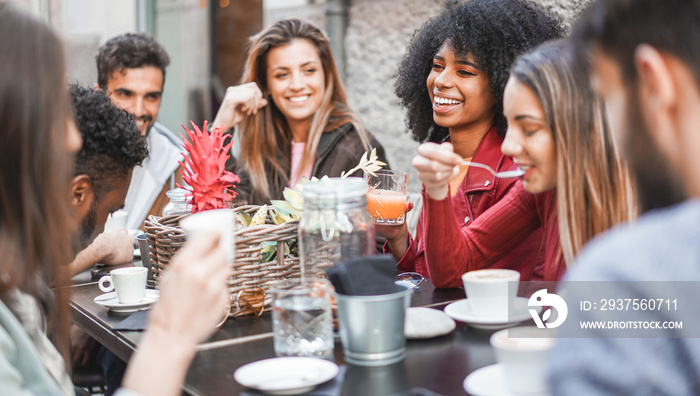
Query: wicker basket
{"points": [[165, 237]]}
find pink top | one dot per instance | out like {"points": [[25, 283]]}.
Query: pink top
{"points": [[297, 155]]}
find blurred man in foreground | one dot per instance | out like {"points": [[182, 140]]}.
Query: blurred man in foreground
{"points": [[646, 65]]}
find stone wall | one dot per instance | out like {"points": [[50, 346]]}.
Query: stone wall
{"points": [[564, 10], [378, 33]]}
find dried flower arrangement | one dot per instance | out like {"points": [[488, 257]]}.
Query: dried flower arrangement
{"points": [[291, 207]]}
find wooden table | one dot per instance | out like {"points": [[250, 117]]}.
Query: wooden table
{"points": [[438, 365]]}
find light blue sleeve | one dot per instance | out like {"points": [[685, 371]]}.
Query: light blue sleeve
{"points": [[11, 381], [625, 367], [21, 371], [630, 366]]}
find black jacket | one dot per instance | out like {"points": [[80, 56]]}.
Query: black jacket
{"points": [[338, 150]]}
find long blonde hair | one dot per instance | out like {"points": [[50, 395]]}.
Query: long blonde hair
{"points": [[594, 187], [265, 136]]}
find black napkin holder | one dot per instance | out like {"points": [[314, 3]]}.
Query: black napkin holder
{"points": [[364, 276]]}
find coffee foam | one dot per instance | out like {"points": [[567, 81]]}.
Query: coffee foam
{"points": [[492, 276], [525, 344], [523, 339], [496, 274]]}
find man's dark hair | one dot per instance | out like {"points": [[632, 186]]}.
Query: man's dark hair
{"points": [[129, 51], [112, 144], [494, 32], [616, 28]]}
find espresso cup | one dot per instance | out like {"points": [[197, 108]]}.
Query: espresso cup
{"points": [[523, 353], [491, 292], [129, 283]]}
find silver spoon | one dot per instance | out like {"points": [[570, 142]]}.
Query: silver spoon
{"points": [[409, 279], [503, 175]]}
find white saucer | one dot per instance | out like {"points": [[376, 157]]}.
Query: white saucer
{"points": [[490, 381], [111, 301], [460, 310], [286, 375], [427, 323]]}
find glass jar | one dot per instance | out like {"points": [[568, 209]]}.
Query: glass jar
{"points": [[178, 204], [335, 224]]}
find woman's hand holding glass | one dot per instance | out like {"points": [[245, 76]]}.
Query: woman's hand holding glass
{"points": [[193, 290], [240, 101], [437, 164], [396, 235]]}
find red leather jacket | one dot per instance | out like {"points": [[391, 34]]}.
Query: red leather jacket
{"points": [[479, 191]]}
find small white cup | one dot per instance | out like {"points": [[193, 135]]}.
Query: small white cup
{"points": [[490, 292], [222, 220], [117, 220], [130, 284], [523, 352]]}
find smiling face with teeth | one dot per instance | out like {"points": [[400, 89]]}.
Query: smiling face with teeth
{"points": [[529, 139], [460, 93], [139, 92], [296, 84]]}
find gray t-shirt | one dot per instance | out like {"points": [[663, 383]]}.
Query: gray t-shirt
{"points": [[663, 245]]}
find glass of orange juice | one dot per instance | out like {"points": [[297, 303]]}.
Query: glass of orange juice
{"points": [[386, 198]]}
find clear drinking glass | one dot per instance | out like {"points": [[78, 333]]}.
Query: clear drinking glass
{"points": [[302, 322], [386, 198]]}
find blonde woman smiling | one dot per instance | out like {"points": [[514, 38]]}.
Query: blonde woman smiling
{"points": [[292, 114]]}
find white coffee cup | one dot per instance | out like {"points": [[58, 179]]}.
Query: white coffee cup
{"points": [[491, 292], [523, 353], [117, 220], [221, 220], [129, 283]]}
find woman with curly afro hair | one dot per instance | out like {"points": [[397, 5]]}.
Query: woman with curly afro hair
{"points": [[451, 81]]}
